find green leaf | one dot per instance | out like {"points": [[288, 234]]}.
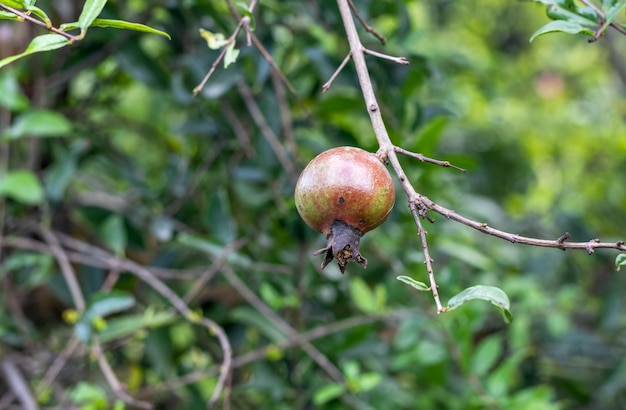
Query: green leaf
{"points": [[362, 295], [91, 10], [128, 325], [7, 15], [485, 355], [421, 286], [41, 14], [45, 42], [231, 55], [128, 26], [612, 13], [620, 261], [23, 186], [327, 393], [560, 26], [244, 9], [489, 293], [113, 234], [39, 123], [101, 305], [16, 4]]}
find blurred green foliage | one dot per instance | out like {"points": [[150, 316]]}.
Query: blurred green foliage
{"points": [[103, 142]]}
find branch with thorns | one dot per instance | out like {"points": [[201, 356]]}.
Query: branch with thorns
{"points": [[418, 203]]}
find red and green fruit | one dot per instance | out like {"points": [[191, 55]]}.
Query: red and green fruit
{"points": [[343, 193]]}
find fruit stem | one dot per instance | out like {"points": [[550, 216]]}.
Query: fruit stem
{"points": [[343, 245]]}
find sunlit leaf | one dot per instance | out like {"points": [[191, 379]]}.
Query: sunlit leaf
{"points": [[22, 186], [421, 286], [489, 293], [214, 40], [45, 42]]}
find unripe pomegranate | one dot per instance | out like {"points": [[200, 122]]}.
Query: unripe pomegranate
{"points": [[343, 193]]}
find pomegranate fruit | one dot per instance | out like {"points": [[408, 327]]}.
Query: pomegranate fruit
{"points": [[343, 193]]}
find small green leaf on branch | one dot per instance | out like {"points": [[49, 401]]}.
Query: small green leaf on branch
{"points": [[421, 286], [121, 24], [231, 55], [91, 10], [22, 186], [620, 261], [489, 293], [568, 27], [45, 42]]}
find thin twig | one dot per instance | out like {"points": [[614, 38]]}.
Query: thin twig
{"points": [[113, 262], [328, 83], [281, 324], [57, 365], [262, 352], [445, 164], [112, 379], [244, 22], [428, 261], [286, 120], [266, 130], [215, 267], [66, 268], [17, 384], [366, 26], [397, 60]]}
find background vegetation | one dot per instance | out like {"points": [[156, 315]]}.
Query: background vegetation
{"points": [[109, 164]]}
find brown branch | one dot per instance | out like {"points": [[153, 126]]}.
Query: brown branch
{"points": [[417, 215], [417, 202], [262, 352], [47, 26], [17, 384], [113, 262], [266, 130], [215, 267], [559, 243], [57, 365], [281, 324], [244, 22]]}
